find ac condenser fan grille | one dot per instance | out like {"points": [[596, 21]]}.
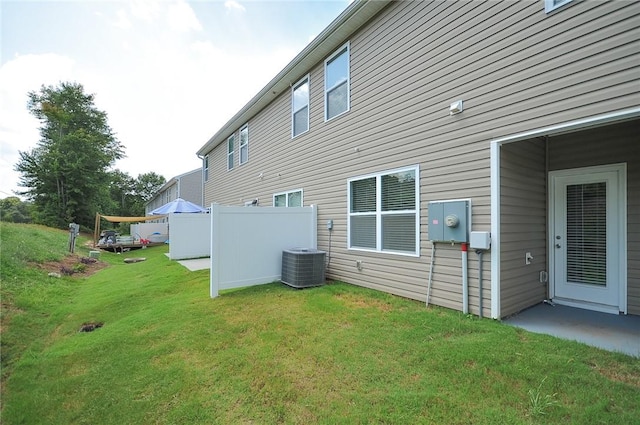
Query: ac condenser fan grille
{"points": [[302, 268]]}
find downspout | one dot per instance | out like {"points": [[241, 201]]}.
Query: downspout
{"points": [[201, 180]]}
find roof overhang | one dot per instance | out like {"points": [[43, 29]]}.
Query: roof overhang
{"points": [[349, 21]]}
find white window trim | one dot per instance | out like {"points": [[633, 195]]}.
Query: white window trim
{"points": [[550, 5], [230, 158], [205, 168], [246, 144], [338, 51], [380, 213], [307, 80], [287, 196]]}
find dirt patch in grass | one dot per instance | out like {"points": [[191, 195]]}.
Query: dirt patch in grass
{"points": [[618, 374], [75, 264], [356, 301]]}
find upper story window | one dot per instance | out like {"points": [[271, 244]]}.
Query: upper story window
{"points": [[205, 168], [244, 144], [292, 198], [230, 147], [300, 107], [384, 212], [336, 83], [550, 5]]}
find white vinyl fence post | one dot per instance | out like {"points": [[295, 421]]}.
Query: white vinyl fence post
{"points": [[214, 272]]}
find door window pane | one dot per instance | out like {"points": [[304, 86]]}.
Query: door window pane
{"points": [[587, 233]]}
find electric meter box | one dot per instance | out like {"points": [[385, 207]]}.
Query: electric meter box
{"points": [[449, 221]]}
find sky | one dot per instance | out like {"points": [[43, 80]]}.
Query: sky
{"points": [[168, 73]]}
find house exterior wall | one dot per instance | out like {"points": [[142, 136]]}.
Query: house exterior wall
{"points": [[187, 186], [523, 218], [190, 187], [614, 144], [515, 67], [167, 193]]}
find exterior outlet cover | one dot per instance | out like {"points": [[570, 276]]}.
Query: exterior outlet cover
{"points": [[480, 240]]}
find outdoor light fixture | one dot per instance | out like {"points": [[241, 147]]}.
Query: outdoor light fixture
{"points": [[455, 107]]}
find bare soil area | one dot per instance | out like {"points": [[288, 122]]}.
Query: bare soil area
{"points": [[74, 264]]}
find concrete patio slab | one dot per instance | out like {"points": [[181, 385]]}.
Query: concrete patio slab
{"points": [[196, 263], [607, 331]]}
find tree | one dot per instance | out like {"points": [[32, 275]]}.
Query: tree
{"points": [[130, 195], [148, 185], [67, 174], [121, 188], [12, 209]]}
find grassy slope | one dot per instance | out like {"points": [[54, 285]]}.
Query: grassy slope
{"points": [[168, 354]]}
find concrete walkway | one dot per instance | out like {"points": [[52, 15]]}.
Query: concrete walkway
{"points": [[607, 331]]}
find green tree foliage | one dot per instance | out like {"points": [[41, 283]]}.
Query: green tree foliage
{"points": [[130, 195], [147, 185], [66, 175], [121, 188], [13, 210]]}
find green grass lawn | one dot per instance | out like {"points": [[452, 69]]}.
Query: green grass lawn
{"points": [[336, 354]]}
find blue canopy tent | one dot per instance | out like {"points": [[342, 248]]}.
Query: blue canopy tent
{"points": [[178, 205]]}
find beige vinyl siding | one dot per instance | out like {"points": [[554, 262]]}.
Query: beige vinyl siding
{"points": [[191, 186], [523, 190], [610, 145], [515, 67]]}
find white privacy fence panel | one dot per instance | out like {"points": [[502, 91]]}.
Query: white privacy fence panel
{"points": [[144, 230], [189, 236], [247, 242]]}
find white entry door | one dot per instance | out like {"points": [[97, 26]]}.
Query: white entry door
{"points": [[588, 238]]}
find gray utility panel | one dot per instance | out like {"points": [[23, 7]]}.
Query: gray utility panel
{"points": [[449, 221]]}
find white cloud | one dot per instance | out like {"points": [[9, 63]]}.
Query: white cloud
{"points": [[146, 10], [181, 17], [234, 5], [122, 20]]}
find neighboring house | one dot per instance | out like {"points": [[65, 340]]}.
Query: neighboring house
{"points": [[544, 143], [187, 186]]}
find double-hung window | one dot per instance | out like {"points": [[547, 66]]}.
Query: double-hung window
{"points": [[292, 198], [336, 83], [230, 147], [300, 107], [205, 168], [244, 144], [384, 213]]}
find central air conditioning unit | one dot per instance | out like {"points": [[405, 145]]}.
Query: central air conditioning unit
{"points": [[302, 267]]}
